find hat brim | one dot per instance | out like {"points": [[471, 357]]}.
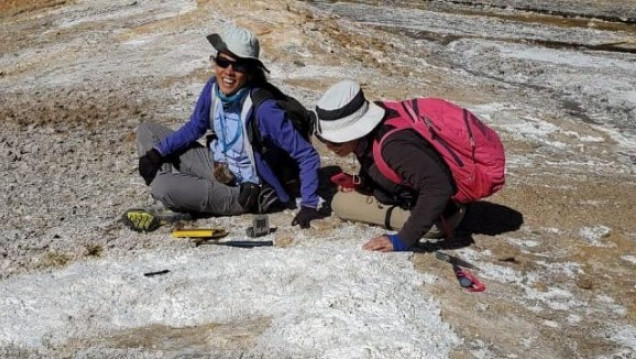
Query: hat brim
{"points": [[220, 46], [356, 129]]}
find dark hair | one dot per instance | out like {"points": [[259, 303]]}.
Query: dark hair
{"points": [[259, 78]]}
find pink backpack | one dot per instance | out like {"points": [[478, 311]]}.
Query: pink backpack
{"points": [[471, 149]]}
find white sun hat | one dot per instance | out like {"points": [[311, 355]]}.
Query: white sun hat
{"points": [[238, 42], [345, 115]]}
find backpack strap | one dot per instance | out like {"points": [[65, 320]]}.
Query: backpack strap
{"points": [[395, 123], [247, 105], [381, 164], [258, 97], [214, 100]]}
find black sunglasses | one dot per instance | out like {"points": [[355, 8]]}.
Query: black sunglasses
{"points": [[238, 66]]}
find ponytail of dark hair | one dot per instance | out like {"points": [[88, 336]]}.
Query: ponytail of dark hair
{"points": [[259, 78]]}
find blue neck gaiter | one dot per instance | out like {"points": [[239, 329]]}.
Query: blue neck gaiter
{"points": [[230, 102]]}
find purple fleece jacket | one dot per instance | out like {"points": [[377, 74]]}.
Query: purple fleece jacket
{"points": [[275, 129]]}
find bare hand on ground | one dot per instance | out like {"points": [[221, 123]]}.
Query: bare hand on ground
{"points": [[382, 244]]}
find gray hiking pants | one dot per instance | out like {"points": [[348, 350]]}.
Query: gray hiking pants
{"points": [[187, 183], [354, 206]]}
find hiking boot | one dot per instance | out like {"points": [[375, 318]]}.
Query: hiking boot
{"points": [[444, 227], [248, 196], [149, 219], [267, 200], [258, 199]]}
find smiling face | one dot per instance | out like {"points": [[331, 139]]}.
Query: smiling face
{"points": [[231, 74]]}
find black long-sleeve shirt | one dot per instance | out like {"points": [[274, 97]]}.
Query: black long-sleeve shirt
{"points": [[430, 181]]}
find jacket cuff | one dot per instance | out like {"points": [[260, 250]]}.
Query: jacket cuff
{"points": [[398, 246], [312, 203]]}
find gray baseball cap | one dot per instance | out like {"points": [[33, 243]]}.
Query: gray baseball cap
{"points": [[238, 42]]}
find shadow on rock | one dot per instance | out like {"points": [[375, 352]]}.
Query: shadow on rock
{"points": [[490, 219], [481, 218]]}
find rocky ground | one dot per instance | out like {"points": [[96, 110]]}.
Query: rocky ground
{"points": [[556, 247]]}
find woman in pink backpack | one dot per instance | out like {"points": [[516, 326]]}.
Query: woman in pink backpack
{"points": [[415, 175]]}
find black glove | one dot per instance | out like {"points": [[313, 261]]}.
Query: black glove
{"points": [[149, 165], [248, 196], [305, 216]]}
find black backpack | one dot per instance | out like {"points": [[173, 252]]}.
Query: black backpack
{"points": [[302, 119]]}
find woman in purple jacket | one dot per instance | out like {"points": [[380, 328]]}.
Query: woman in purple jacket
{"points": [[228, 176]]}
